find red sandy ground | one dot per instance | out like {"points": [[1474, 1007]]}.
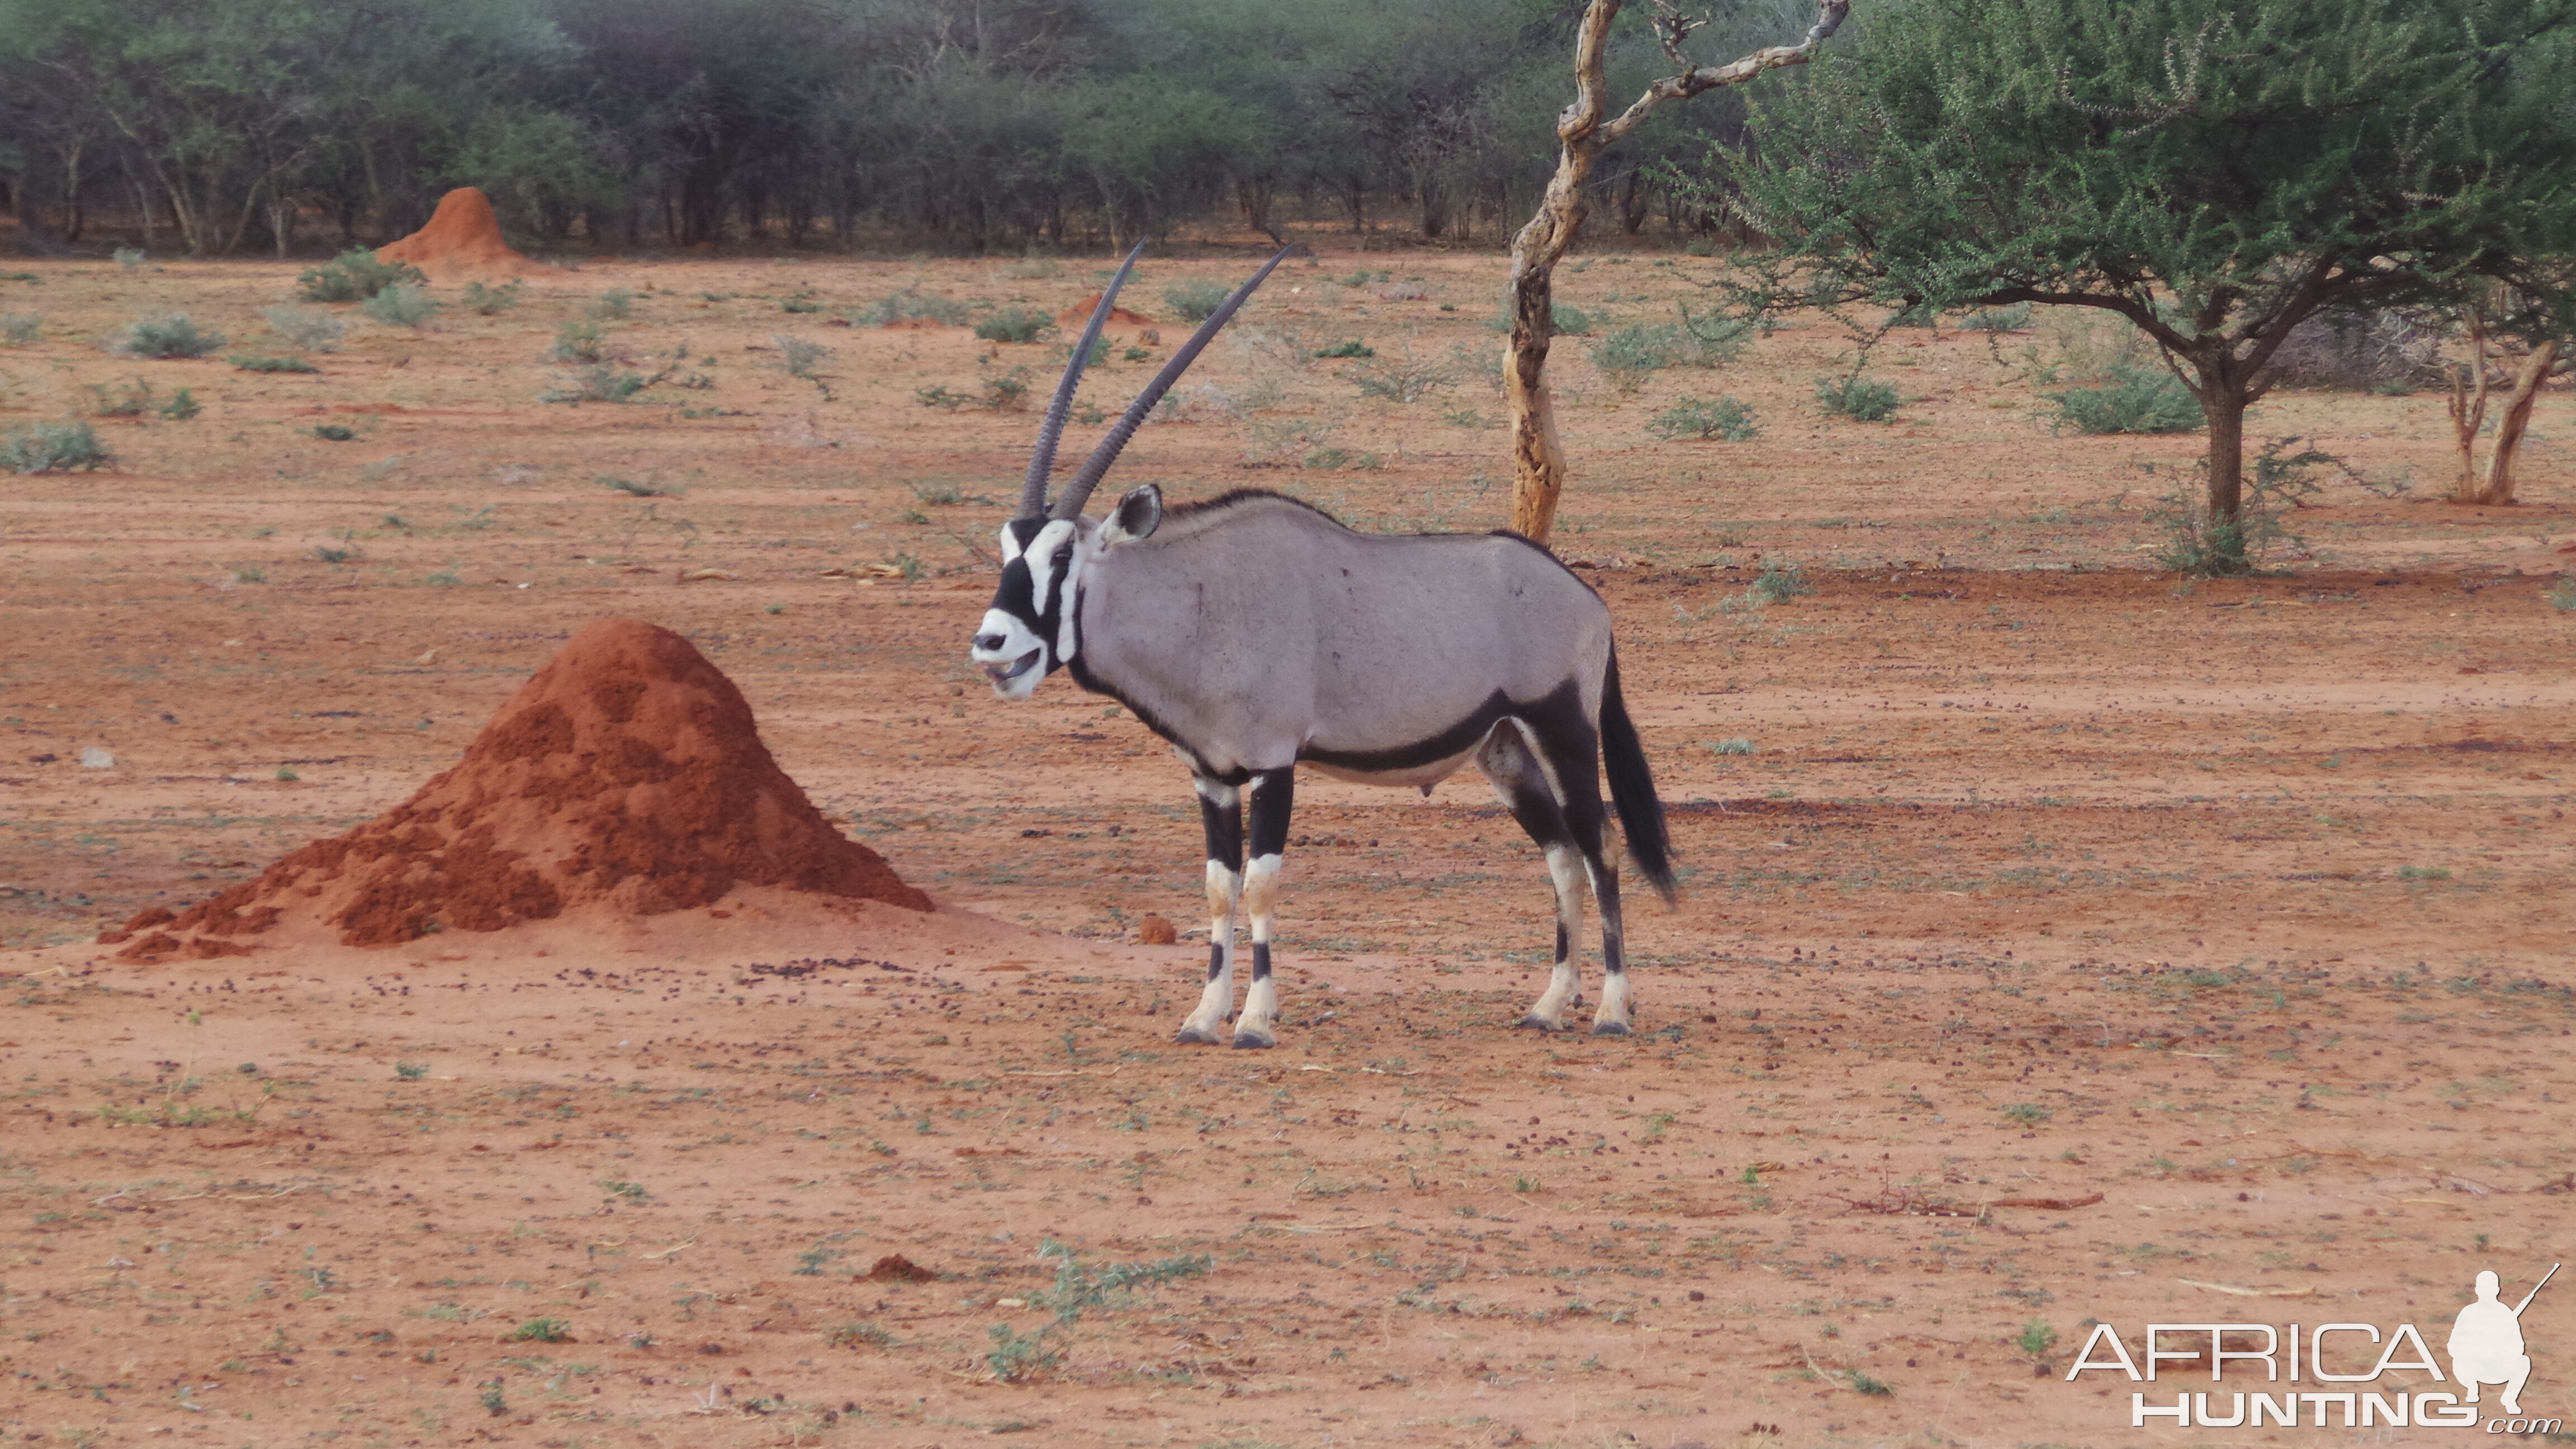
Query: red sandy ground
{"points": [[2241, 906]]}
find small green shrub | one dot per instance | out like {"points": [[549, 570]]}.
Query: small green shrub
{"points": [[1778, 583], [132, 400], [800, 302], [1736, 746], [335, 433], [800, 357], [252, 362], [1571, 321], [612, 305], [1998, 319], [17, 329], [401, 305], [542, 1330], [1400, 379], [1724, 418], [2135, 398], [410, 1071], [493, 1400], [2036, 1339], [1863, 1384], [354, 276], [857, 1332], [602, 383], [53, 448], [170, 334], [485, 301], [310, 330], [1015, 324], [130, 258], [181, 407], [1196, 299], [1347, 347], [2026, 1114], [910, 305], [2562, 594], [581, 342], [1863, 400]]}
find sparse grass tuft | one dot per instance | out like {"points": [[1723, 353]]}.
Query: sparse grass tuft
{"points": [[18, 329], [1723, 418], [1194, 300], [354, 276], [253, 362], [800, 356], [1863, 400], [310, 330], [596, 384], [401, 306], [485, 301], [2134, 398], [612, 305], [910, 305], [170, 334], [67, 447], [1015, 324], [543, 1330], [581, 342]]}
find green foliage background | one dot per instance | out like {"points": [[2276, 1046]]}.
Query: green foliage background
{"points": [[972, 124]]}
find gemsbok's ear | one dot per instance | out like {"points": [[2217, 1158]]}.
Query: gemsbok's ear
{"points": [[1138, 514]]}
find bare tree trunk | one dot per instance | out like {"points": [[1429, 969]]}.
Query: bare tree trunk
{"points": [[2225, 407], [2510, 428], [2469, 409], [1583, 129]]}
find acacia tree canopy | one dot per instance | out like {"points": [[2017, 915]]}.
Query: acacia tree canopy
{"points": [[2213, 172]]}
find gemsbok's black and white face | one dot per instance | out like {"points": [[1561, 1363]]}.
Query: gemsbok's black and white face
{"points": [[1033, 627]]}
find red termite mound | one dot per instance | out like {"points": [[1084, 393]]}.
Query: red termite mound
{"points": [[1073, 318], [627, 776], [463, 239]]}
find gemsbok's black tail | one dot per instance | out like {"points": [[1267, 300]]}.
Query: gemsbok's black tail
{"points": [[1632, 787]]}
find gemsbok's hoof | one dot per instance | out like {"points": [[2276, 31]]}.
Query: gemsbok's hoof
{"points": [[1247, 1039], [1609, 1028], [1534, 1022], [1193, 1036]]}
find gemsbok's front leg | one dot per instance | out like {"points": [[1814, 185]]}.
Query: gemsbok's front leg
{"points": [[1221, 811], [1273, 795]]}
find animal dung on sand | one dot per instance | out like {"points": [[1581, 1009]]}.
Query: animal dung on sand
{"points": [[626, 777]]}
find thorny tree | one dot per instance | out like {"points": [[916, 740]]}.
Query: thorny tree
{"points": [[1583, 130], [2213, 171]]}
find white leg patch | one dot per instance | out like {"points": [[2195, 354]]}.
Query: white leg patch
{"points": [[1615, 1017], [1206, 1023]]}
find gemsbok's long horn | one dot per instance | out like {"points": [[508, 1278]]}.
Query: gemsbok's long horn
{"points": [[1078, 492], [1033, 499]]}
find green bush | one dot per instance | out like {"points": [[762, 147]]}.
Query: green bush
{"points": [[1724, 418], [800, 356], [2135, 399], [169, 335], [354, 276], [181, 407], [612, 305], [910, 305], [602, 383], [400, 305], [53, 448], [17, 329], [1195, 300], [130, 258], [1778, 583], [1998, 319], [1858, 398], [486, 301], [313, 331], [1347, 347], [581, 342], [252, 362], [1015, 324]]}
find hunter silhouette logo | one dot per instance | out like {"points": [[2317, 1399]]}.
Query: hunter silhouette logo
{"points": [[2347, 1362], [2486, 1342]]}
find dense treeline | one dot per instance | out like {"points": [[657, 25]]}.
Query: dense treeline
{"points": [[219, 126]]}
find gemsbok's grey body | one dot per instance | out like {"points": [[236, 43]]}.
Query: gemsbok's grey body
{"points": [[1254, 632]]}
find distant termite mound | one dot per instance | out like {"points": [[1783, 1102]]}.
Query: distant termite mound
{"points": [[463, 239], [627, 777], [1073, 318]]}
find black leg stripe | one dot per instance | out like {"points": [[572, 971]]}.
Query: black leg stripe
{"points": [[1216, 960], [1260, 960], [1274, 796]]}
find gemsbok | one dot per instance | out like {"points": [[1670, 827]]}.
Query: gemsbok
{"points": [[1253, 632]]}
